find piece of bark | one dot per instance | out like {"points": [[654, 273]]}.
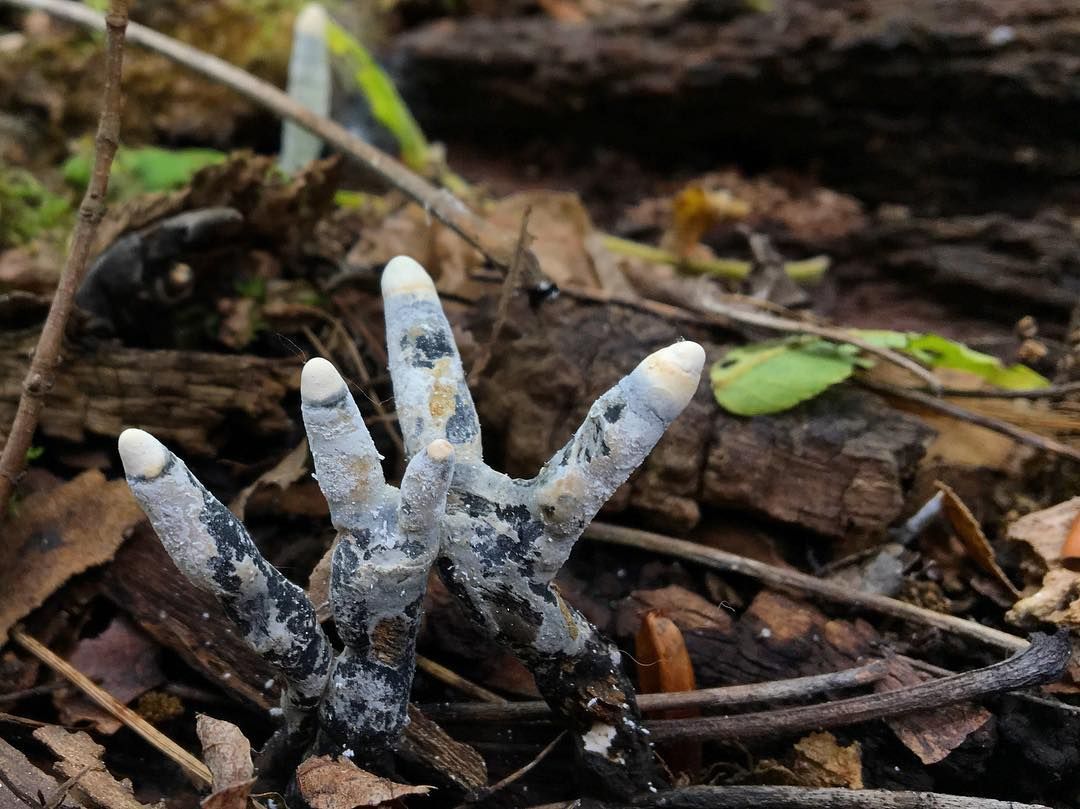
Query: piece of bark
{"points": [[23, 784], [182, 397], [850, 78], [836, 465], [227, 752], [930, 735], [77, 752]]}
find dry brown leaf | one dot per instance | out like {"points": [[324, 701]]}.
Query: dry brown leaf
{"points": [[930, 735], [664, 666], [58, 534], [695, 211], [287, 471], [227, 753], [969, 531], [820, 761], [123, 661], [663, 663], [1058, 598], [687, 609], [559, 225], [328, 783], [77, 752]]}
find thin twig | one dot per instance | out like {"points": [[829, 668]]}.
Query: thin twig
{"points": [[517, 774], [1042, 662], [105, 700], [506, 295], [1049, 392], [794, 580], [782, 797], [455, 680], [64, 788], [496, 244], [41, 375], [1017, 434], [725, 696]]}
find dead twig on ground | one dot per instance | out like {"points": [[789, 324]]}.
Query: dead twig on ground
{"points": [[738, 797], [517, 774], [955, 411], [802, 582], [39, 378], [724, 696], [103, 699], [496, 245], [455, 680], [1043, 661]]}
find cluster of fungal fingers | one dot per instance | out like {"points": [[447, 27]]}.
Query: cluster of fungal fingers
{"points": [[497, 542], [388, 539]]}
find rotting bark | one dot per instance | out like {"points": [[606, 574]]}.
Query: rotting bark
{"points": [[183, 396], [861, 84]]}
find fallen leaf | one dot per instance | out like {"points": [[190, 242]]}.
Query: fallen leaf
{"points": [[821, 761], [969, 531], [123, 661], [664, 667], [327, 783], [58, 534], [227, 752], [930, 735], [1058, 598], [695, 211], [293, 467], [80, 755]]}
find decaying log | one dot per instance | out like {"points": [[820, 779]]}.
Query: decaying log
{"points": [[891, 99], [182, 396], [837, 464]]}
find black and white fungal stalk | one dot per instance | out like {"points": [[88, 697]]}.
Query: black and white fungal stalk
{"points": [[497, 542], [503, 540], [387, 543]]}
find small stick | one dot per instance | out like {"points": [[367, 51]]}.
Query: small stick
{"points": [[516, 775], [493, 242], [455, 680], [1017, 434], [725, 696], [794, 580], [65, 788], [1049, 392], [105, 700], [1042, 662], [41, 375], [506, 294], [760, 797]]}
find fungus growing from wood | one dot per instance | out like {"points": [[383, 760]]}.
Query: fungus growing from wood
{"points": [[497, 542]]}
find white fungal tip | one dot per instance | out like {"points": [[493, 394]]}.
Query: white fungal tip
{"points": [[672, 374], [143, 455], [320, 382], [440, 450], [311, 20], [404, 275]]}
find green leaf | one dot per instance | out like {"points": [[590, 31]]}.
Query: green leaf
{"points": [[770, 377], [143, 170], [940, 352], [382, 97]]}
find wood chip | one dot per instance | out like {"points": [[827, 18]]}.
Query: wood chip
{"points": [[821, 761], [77, 752], [21, 781]]}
